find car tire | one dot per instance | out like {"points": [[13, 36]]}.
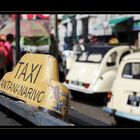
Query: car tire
{"points": [[119, 121]]}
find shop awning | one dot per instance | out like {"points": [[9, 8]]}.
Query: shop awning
{"points": [[115, 21]]}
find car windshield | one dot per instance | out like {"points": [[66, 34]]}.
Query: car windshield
{"points": [[93, 54]]}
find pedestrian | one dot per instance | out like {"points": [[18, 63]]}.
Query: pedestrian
{"points": [[76, 48], [82, 43], [61, 47], [94, 39], [3, 56], [9, 48], [67, 44]]}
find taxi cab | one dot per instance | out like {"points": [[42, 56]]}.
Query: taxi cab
{"points": [[124, 97], [95, 69]]}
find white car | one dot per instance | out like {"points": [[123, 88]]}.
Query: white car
{"points": [[124, 97], [95, 70]]}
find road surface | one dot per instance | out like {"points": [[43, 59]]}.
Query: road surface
{"points": [[10, 119], [92, 106]]}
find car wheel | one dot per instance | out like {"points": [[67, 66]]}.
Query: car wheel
{"points": [[119, 121]]}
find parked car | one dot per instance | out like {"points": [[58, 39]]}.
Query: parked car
{"points": [[124, 97], [95, 69]]}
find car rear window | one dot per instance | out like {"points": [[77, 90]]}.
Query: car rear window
{"points": [[131, 71], [93, 55]]}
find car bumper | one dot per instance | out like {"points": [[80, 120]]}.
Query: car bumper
{"points": [[122, 114], [78, 88], [108, 110]]}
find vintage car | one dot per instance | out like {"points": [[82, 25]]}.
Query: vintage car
{"points": [[95, 69], [124, 97]]}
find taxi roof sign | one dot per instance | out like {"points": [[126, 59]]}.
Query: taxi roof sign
{"points": [[35, 80]]}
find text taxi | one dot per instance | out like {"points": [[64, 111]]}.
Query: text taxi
{"points": [[35, 80], [95, 70], [124, 98]]}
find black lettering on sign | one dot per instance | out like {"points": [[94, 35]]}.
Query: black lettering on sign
{"points": [[14, 87], [1, 83], [21, 90], [17, 89], [7, 83], [31, 74], [10, 87], [20, 63], [25, 91], [35, 95], [4, 84], [29, 93], [33, 92], [37, 74], [23, 72], [40, 96]]}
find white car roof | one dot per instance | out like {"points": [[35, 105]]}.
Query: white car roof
{"points": [[121, 47], [135, 55]]}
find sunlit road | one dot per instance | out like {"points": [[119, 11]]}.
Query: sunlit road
{"points": [[91, 106]]}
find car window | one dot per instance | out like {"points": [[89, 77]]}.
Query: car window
{"points": [[131, 71], [111, 60], [93, 54], [94, 58]]}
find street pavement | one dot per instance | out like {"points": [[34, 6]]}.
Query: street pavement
{"points": [[93, 107], [10, 119], [6, 118]]}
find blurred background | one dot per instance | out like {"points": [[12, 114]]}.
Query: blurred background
{"points": [[65, 36]]}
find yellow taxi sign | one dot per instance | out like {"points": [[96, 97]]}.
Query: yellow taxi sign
{"points": [[35, 80]]}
